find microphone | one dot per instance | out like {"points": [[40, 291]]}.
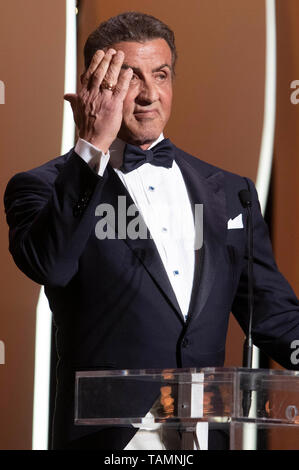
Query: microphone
{"points": [[245, 198]]}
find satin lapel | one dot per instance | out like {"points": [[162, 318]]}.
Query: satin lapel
{"points": [[144, 249], [209, 192]]}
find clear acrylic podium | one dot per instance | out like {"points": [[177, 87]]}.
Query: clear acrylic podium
{"points": [[255, 408]]}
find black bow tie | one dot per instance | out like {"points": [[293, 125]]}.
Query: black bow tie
{"points": [[160, 155]]}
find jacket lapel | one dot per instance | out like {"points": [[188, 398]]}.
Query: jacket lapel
{"points": [[206, 190]]}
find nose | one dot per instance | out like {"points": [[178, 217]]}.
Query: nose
{"points": [[148, 92]]}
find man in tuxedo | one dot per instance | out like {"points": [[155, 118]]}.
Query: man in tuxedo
{"points": [[158, 301]]}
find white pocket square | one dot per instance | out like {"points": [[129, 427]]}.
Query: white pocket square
{"points": [[237, 222]]}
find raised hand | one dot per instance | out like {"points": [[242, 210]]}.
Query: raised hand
{"points": [[98, 107]]}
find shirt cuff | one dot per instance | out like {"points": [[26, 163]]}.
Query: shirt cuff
{"points": [[94, 157]]}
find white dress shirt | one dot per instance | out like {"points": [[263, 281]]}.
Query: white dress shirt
{"points": [[161, 197]]}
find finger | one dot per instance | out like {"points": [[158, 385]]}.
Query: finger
{"points": [[95, 61], [100, 72], [113, 71], [123, 83], [71, 97]]}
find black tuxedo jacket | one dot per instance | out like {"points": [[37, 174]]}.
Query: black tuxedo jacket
{"points": [[112, 302]]}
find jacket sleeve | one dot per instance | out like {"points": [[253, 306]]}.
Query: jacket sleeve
{"points": [[50, 219], [275, 323]]}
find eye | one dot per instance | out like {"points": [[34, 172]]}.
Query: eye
{"points": [[161, 76]]}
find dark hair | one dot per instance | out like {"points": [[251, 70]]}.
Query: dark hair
{"points": [[129, 26]]}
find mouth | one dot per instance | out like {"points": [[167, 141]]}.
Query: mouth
{"points": [[150, 114]]}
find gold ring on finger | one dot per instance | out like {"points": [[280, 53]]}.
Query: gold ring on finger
{"points": [[107, 86]]}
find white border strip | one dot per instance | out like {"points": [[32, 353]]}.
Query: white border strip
{"points": [[265, 161], [70, 82], [41, 373], [267, 144], [43, 313]]}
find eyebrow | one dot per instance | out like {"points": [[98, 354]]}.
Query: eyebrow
{"points": [[138, 70]]}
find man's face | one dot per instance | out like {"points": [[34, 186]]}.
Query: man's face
{"points": [[147, 105]]}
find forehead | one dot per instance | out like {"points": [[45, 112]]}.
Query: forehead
{"points": [[142, 54]]}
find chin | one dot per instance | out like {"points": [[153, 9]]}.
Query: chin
{"points": [[146, 137], [141, 134]]}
